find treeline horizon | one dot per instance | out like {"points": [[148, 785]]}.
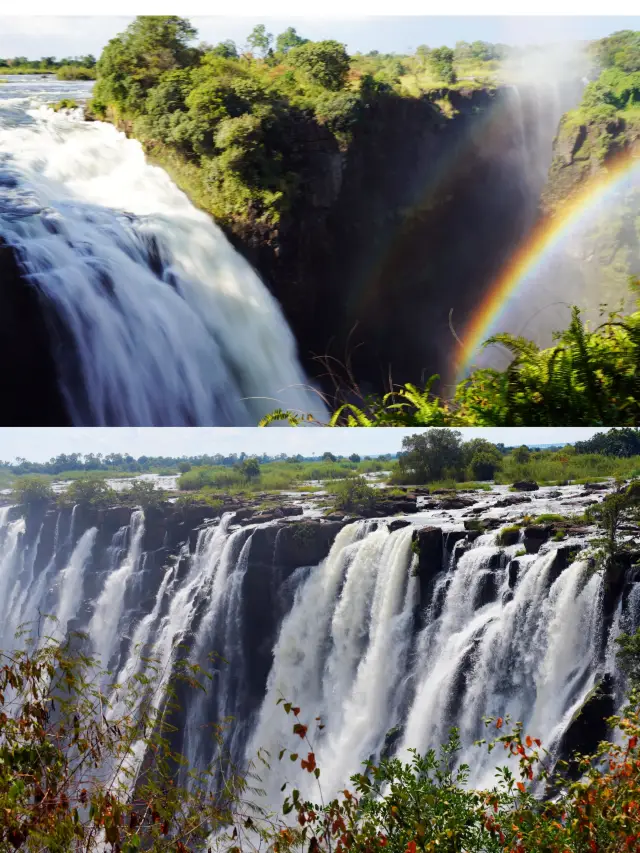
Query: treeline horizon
{"points": [[622, 442]]}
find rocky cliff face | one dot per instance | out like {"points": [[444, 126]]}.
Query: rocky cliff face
{"points": [[413, 220], [605, 250]]}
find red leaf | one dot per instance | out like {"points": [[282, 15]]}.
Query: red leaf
{"points": [[529, 741], [299, 729], [411, 847], [520, 787], [499, 723], [633, 742], [296, 711]]}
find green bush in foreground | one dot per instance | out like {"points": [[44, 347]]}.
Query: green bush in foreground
{"points": [[68, 763], [589, 378]]}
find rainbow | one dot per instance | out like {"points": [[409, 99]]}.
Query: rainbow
{"points": [[535, 250]]}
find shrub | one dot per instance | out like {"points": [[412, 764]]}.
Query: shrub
{"points": [[143, 493], [325, 63], [32, 489], [64, 104], [353, 495], [90, 491]]}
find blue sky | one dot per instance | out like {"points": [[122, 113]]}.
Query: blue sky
{"points": [[40, 444], [69, 35]]}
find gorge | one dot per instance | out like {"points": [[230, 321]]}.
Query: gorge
{"points": [[431, 612], [103, 258]]}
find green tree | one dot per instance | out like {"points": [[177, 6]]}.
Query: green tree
{"points": [[184, 466], [289, 39], [328, 457], [90, 491], [324, 63], [521, 454], [133, 62], [226, 49], [484, 465], [32, 489], [618, 509], [260, 40], [354, 458], [250, 468], [144, 493], [353, 495], [440, 61], [426, 456]]}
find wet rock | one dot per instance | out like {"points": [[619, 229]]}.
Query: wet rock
{"points": [[456, 503], [587, 726], [562, 559], [461, 547], [512, 500], [453, 536], [31, 348], [595, 487], [304, 543], [535, 536], [486, 591], [513, 572], [398, 524], [497, 560], [509, 536], [430, 549], [472, 535], [243, 514], [526, 486]]}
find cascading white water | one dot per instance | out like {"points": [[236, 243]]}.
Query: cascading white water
{"points": [[137, 275], [340, 651], [104, 622], [345, 652], [357, 647], [70, 583]]}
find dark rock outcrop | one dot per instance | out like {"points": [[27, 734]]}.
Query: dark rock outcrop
{"points": [[511, 500], [535, 536], [398, 524], [526, 486], [430, 549], [587, 726], [29, 387]]}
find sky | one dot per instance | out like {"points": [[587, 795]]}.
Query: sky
{"points": [[39, 444], [36, 36]]}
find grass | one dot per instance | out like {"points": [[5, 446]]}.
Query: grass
{"points": [[556, 468], [276, 476]]}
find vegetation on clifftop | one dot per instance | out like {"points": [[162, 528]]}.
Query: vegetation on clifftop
{"points": [[235, 127]]}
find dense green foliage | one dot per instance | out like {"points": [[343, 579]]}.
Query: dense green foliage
{"points": [[613, 514], [610, 103], [60, 739], [239, 118], [32, 490], [233, 127], [589, 377], [248, 476], [616, 442], [353, 495], [439, 456]]}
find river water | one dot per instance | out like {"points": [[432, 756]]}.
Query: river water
{"points": [[154, 318]]}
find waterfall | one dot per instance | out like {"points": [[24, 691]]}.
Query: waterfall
{"points": [[106, 615], [389, 658], [523, 644], [129, 271]]}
